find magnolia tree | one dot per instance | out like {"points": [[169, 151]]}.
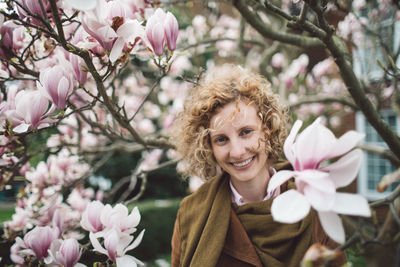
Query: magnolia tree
{"points": [[97, 77]]}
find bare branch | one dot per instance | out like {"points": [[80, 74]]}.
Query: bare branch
{"points": [[268, 32], [381, 151], [324, 99], [390, 198]]}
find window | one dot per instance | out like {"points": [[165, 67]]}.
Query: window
{"points": [[370, 49], [373, 167]]}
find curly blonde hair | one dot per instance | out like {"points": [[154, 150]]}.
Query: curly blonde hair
{"points": [[222, 86]]}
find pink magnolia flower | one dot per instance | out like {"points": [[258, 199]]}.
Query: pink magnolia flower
{"points": [[100, 31], [31, 111], [318, 254], [116, 244], [119, 218], [316, 185], [114, 26], [29, 8], [6, 31], [10, 39], [56, 85], [130, 32], [79, 68], [162, 28], [65, 252], [155, 31], [278, 60], [20, 220], [58, 221], [150, 160], [38, 241], [15, 255], [91, 217], [77, 200], [171, 30]]}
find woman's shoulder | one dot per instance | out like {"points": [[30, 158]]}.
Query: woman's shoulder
{"points": [[205, 194], [201, 193]]}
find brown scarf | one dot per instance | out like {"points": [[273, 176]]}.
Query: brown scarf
{"points": [[276, 244], [204, 220]]}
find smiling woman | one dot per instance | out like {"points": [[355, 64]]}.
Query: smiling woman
{"points": [[231, 133]]}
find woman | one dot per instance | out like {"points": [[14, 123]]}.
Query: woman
{"points": [[231, 133]]}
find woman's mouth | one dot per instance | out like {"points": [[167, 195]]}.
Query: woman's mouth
{"points": [[243, 163]]}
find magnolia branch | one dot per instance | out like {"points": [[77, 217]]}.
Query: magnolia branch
{"points": [[325, 100], [124, 122], [382, 152], [214, 40], [129, 147], [268, 32], [143, 176]]}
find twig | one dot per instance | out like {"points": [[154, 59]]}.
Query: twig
{"points": [[143, 175], [323, 99], [388, 199], [382, 152], [267, 32], [394, 213]]}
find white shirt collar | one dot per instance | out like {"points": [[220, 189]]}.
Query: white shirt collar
{"points": [[238, 199]]}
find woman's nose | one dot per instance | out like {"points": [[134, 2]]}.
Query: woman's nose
{"points": [[237, 149]]}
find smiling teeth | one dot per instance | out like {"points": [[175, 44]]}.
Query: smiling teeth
{"points": [[242, 163]]}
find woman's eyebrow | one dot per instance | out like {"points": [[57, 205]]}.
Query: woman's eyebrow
{"points": [[214, 133]]}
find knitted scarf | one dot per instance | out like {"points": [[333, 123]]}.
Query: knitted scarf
{"points": [[204, 220], [277, 244]]}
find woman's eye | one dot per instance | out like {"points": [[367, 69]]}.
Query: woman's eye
{"points": [[246, 132], [220, 140]]}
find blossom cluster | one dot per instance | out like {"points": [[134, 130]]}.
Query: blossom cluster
{"points": [[48, 84], [110, 29], [52, 227]]}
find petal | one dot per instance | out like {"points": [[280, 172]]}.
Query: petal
{"points": [[346, 142], [351, 204], [131, 28], [313, 146], [111, 243], [319, 200], [4, 74], [290, 207], [136, 242], [343, 171], [317, 179], [133, 218], [22, 128], [288, 145], [126, 261], [96, 244], [279, 178], [82, 5], [63, 91], [158, 37], [116, 51], [106, 33], [332, 226]]}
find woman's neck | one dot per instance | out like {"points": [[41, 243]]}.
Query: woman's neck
{"points": [[254, 190]]}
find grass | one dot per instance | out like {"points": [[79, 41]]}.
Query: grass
{"points": [[6, 214]]}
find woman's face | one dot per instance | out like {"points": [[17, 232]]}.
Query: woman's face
{"points": [[236, 134]]}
